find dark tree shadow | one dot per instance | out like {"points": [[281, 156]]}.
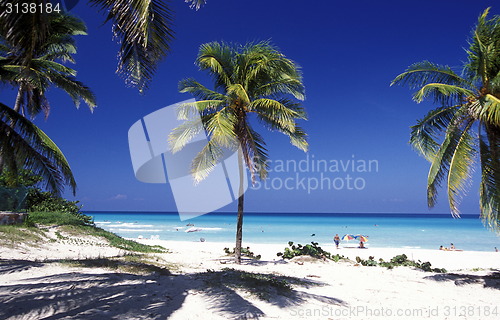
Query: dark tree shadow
{"points": [[491, 280], [11, 266], [79, 295]]}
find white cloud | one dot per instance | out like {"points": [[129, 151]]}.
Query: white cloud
{"points": [[119, 197]]}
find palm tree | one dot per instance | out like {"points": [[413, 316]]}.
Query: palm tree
{"points": [[142, 27], [466, 127], [254, 82], [25, 146], [33, 70]]}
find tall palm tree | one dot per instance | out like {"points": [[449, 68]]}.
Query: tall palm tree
{"points": [[252, 83], [466, 127], [34, 70], [142, 27]]}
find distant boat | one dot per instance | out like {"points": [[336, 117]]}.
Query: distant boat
{"points": [[193, 229]]}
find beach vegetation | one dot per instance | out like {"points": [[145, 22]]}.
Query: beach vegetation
{"points": [[113, 239], [253, 83], [48, 218], [367, 263], [312, 250], [464, 130], [33, 67], [245, 252], [130, 263], [12, 236], [70, 227], [397, 261], [42, 201]]}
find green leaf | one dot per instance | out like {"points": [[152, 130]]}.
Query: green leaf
{"points": [[424, 134], [461, 165], [444, 94], [25, 146], [489, 193]]}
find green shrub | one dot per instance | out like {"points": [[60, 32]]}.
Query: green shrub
{"points": [[399, 260], [58, 218], [244, 252], [312, 250]]}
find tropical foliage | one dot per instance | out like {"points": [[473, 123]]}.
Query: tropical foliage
{"points": [[465, 128], [33, 70], [252, 83], [142, 27]]}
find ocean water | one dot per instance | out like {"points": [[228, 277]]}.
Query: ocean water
{"points": [[426, 231]]}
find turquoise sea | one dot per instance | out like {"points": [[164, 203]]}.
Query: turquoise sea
{"points": [[426, 231]]}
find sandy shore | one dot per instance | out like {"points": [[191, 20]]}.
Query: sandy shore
{"points": [[200, 285], [450, 260]]}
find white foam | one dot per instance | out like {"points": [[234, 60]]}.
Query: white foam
{"points": [[130, 225], [137, 230]]}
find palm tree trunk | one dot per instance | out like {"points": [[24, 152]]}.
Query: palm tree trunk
{"points": [[239, 223]]}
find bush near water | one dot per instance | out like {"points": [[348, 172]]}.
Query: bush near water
{"points": [[316, 251]]}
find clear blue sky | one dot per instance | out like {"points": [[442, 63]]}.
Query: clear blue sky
{"points": [[349, 52]]}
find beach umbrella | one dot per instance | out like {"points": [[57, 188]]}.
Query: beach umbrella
{"points": [[347, 237], [362, 238]]}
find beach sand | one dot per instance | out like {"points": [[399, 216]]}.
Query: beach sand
{"points": [[200, 285]]}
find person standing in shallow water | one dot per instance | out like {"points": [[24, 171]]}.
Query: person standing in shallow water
{"points": [[336, 239]]}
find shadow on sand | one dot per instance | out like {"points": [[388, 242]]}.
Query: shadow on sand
{"points": [[109, 295], [490, 280]]}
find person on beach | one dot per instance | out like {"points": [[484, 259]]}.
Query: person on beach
{"points": [[336, 239], [452, 246], [496, 250], [361, 245]]}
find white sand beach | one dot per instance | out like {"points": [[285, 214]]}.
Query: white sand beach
{"points": [[199, 285]]}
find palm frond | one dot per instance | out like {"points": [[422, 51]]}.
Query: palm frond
{"points": [[425, 133], [184, 133], [440, 163], [278, 111], [459, 173], [198, 90], [487, 110], [285, 85], [217, 59], [238, 93], [196, 4], [443, 94], [144, 30], [75, 89], [423, 73], [206, 160], [298, 138], [483, 62], [188, 110], [258, 156], [220, 127], [489, 193], [28, 147]]}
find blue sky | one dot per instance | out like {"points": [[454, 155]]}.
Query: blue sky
{"points": [[349, 52]]}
